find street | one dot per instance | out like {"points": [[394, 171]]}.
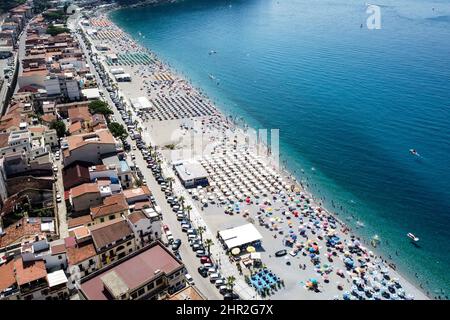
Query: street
{"points": [[190, 261]]}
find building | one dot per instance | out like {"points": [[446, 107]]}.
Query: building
{"points": [[75, 175], [191, 174], [124, 172], [29, 280], [137, 194], [188, 293], [113, 207], [113, 240], [84, 196], [81, 258], [89, 147], [240, 237], [106, 175], [149, 273], [65, 85], [141, 104], [146, 226]]}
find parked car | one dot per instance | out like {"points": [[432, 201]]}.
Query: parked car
{"points": [[223, 289], [231, 296], [176, 244], [219, 282], [189, 279], [213, 277], [204, 260], [203, 271], [200, 253], [185, 227], [58, 197]]}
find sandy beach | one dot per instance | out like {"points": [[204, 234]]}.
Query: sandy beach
{"points": [[325, 259]]}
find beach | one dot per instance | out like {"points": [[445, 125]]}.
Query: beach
{"points": [[184, 124]]}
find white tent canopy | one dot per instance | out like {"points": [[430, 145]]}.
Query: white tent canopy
{"points": [[238, 236]]}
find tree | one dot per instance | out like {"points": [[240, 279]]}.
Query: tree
{"points": [[209, 243], [98, 106], [118, 130], [53, 31], [200, 231], [181, 199], [188, 209], [230, 282], [59, 126]]}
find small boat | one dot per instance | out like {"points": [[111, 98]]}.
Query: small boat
{"points": [[211, 76], [412, 237], [212, 52], [414, 152]]}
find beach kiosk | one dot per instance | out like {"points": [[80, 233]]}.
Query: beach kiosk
{"points": [[240, 237], [191, 174], [141, 104]]}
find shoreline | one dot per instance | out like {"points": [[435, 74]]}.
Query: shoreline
{"points": [[283, 168]]}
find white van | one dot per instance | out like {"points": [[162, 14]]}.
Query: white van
{"points": [[189, 279]]}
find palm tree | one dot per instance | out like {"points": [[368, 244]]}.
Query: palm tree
{"points": [[188, 209], [209, 243], [230, 282], [200, 231], [181, 200]]}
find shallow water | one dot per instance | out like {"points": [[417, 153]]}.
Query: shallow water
{"points": [[348, 101]]}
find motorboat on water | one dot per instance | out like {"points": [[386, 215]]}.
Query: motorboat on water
{"points": [[211, 76], [412, 237], [414, 152], [212, 52]]}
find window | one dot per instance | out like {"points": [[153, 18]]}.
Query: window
{"points": [[159, 281], [141, 292], [150, 286], [134, 295], [102, 220], [59, 257], [111, 217]]}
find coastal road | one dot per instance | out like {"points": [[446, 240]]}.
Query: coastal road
{"points": [[190, 261]]}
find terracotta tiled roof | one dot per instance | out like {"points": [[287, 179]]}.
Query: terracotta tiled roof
{"points": [[131, 193], [7, 276], [15, 233], [111, 205], [77, 254], [82, 112], [58, 248], [48, 117], [136, 216], [30, 271], [79, 221], [79, 140], [83, 189], [74, 127]]}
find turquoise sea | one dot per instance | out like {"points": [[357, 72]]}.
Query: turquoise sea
{"points": [[349, 102]]}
